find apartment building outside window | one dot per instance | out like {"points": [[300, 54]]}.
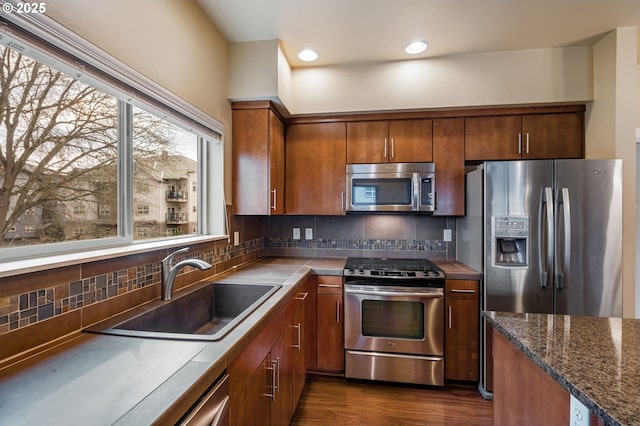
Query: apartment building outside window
{"points": [[86, 154]]}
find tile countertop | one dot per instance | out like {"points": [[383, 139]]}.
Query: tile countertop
{"points": [[127, 380], [596, 359], [455, 270], [109, 380]]}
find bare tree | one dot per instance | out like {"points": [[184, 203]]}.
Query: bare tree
{"points": [[56, 134]]}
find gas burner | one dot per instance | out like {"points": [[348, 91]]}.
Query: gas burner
{"points": [[365, 267]]}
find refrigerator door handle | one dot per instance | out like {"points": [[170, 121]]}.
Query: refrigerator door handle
{"points": [[545, 252], [563, 270]]}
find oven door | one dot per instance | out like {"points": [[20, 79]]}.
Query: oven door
{"points": [[405, 320]]}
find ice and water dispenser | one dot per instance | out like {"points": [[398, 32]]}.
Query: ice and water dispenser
{"points": [[510, 241]]}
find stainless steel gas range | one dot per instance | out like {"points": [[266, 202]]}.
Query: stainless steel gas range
{"points": [[394, 320]]}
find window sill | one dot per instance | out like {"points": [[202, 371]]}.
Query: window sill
{"points": [[25, 266]]}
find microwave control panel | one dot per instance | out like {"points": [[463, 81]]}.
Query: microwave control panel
{"points": [[426, 191]]}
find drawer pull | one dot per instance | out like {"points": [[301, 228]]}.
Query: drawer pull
{"points": [[330, 285], [455, 290], [303, 296], [298, 346]]}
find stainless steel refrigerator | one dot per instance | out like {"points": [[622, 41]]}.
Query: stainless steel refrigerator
{"points": [[547, 235]]}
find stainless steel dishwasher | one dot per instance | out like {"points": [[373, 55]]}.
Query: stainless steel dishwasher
{"points": [[212, 408]]}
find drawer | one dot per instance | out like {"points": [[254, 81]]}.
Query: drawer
{"points": [[329, 284], [461, 289]]}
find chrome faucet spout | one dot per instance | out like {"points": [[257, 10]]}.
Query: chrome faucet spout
{"points": [[169, 272]]}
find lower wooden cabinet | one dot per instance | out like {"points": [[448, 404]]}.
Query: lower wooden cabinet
{"points": [[266, 379], [281, 388], [523, 393], [299, 364], [462, 330], [330, 324]]}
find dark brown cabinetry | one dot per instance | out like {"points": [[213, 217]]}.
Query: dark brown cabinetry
{"points": [[258, 160], [462, 332], [448, 157], [531, 136], [281, 386], [266, 379], [523, 393], [394, 141], [315, 168], [330, 324], [299, 347]]}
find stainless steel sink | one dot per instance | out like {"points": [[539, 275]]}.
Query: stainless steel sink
{"points": [[207, 313]]}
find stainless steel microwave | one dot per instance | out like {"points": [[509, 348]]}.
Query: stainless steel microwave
{"points": [[391, 187]]}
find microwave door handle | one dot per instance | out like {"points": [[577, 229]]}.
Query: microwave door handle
{"points": [[416, 192]]}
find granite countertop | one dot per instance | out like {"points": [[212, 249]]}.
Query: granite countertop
{"points": [[105, 380], [596, 359]]}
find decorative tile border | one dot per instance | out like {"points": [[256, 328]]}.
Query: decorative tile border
{"points": [[371, 245], [24, 309]]}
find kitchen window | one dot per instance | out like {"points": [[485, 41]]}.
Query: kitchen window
{"points": [[93, 141]]}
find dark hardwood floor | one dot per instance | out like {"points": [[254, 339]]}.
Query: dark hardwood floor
{"points": [[335, 401]]}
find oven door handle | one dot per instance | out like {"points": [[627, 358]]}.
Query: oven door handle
{"points": [[394, 293]]}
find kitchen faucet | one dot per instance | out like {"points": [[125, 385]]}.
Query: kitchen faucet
{"points": [[169, 272]]}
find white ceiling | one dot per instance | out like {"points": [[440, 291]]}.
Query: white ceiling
{"points": [[344, 31]]}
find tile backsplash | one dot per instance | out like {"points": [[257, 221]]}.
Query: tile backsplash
{"points": [[40, 307], [412, 236], [30, 307]]}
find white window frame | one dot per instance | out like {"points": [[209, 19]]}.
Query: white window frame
{"points": [[90, 65]]}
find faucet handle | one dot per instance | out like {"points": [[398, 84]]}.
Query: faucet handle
{"points": [[169, 259]]}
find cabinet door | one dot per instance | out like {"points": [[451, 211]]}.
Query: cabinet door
{"points": [[368, 142], [281, 407], [547, 136], [410, 141], [492, 138], [276, 165], [315, 168], [252, 391], [299, 349], [462, 330], [448, 156], [330, 339], [258, 162]]}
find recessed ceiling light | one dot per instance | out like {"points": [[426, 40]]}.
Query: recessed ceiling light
{"points": [[416, 47], [307, 55]]}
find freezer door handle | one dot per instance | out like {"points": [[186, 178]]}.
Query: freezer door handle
{"points": [[562, 273], [545, 248]]}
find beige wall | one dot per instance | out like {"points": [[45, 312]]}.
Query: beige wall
{"points": [[171, 42], [254, 70], [501, 78], [610, 133]]}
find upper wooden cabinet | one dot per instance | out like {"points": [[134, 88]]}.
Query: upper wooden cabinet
{"points": [[552, 136], [393, 141], [531, 136], [315, 168], [448, 157], [258, 161]]}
